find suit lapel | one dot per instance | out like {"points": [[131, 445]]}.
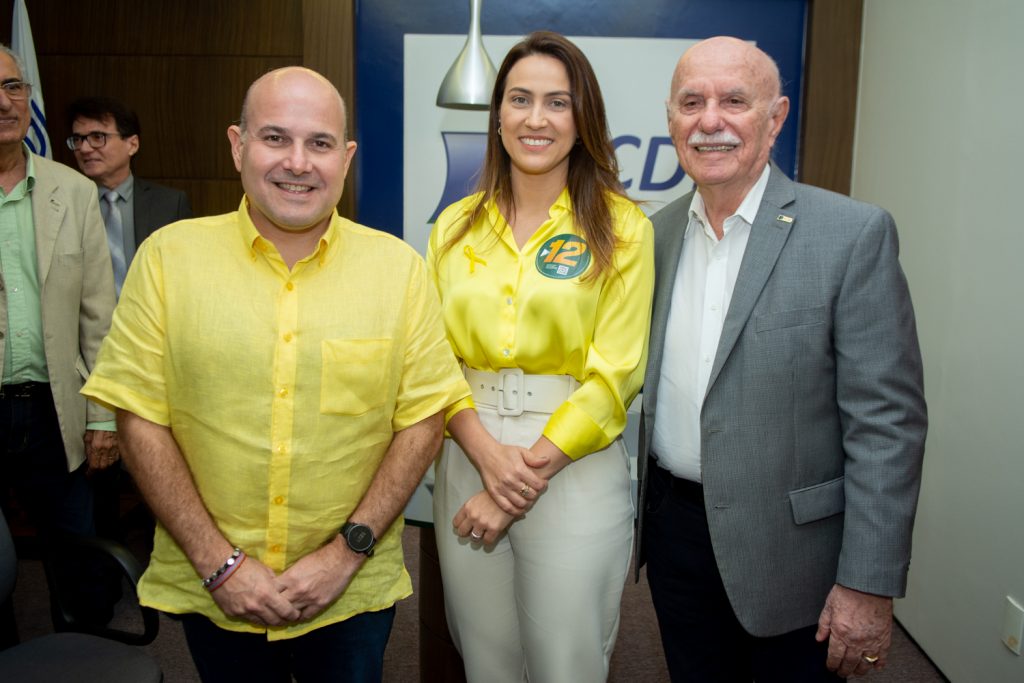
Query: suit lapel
{"points": [[768, 235], [47, 215]]}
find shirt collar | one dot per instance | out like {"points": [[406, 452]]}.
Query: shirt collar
{"points": [[26, 184], [257, 243], [562, 206], [746, 211], [30, 167], [124, 190]]}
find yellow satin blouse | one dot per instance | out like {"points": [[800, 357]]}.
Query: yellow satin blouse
{"points": [[531, 308]]}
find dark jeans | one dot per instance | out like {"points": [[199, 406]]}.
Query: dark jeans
{"points": [[33, 466], [350, 651], [703, 639]]}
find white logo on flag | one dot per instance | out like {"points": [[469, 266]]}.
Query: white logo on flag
{"points": [[23, 45]]}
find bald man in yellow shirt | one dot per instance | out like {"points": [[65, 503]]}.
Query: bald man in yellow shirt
{"points": [[279, 375]]}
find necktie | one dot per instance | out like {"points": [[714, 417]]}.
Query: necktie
{"points": [[115, 238]]}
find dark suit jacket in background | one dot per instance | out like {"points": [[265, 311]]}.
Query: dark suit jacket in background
{"points": [[156, 206], [813, 424]]}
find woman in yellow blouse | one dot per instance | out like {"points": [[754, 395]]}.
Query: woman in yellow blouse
{"points": [[546, 278]]}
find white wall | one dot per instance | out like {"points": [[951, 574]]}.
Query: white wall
{"points": [[940, 143]]}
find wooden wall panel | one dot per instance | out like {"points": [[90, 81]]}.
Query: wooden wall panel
{"points": [[6, 10], [151, 27], [830, 93], [329, 47], [183, 115], [184, 67], [225, 194]]}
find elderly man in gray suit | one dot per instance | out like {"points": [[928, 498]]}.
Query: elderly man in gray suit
{"points": [[784, 417]]}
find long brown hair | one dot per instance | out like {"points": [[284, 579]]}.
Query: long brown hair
{"points": [[593, 169]]}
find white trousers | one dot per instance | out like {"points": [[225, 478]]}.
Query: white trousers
{"points": [[542, 603]]}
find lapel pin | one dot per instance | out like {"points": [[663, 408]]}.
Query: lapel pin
{"points": [[784, 219]]}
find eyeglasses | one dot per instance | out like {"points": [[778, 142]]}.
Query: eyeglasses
{"points": [[96, 139], [16, 90]]}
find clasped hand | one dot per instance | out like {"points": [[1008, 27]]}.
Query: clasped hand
{"points": [[512, 485], [510, 477], [254, 593], [481, 520]]}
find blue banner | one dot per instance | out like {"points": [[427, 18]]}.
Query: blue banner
{"points": [[414, 158]]}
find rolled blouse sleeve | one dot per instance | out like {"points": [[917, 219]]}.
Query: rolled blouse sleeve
{"points": [[617, 354]]}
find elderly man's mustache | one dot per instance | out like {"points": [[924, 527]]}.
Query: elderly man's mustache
{"points": [[697, 138]]}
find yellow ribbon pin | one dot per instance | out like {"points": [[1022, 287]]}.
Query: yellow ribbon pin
{"points": [[473, 258]]}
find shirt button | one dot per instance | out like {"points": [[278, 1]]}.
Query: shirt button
{"points": [[290, 286], [278, 500], [282, 449], [287, 336], [509, 301], [275, 548], [282, 393], [505, 352]]}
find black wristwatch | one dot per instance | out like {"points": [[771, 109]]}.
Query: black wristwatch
{"points": [[359, 538]]}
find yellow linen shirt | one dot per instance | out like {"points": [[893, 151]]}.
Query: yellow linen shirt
{"points": [[282, 389], [530, 308]]}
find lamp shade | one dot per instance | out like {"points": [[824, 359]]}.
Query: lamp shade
{"points": [[469, 81]]}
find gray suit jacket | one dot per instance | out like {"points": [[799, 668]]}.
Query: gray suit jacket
{"points": [[76, 292], [156, 206], [813, 424]]}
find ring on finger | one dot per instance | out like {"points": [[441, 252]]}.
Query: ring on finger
{"points": [[475, 535], [870, 659], [525, 491]]}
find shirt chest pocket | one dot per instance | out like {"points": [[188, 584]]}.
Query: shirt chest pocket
{"points": [[356, 375]]}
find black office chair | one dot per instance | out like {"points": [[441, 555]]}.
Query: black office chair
{"points": [[79, 651]]}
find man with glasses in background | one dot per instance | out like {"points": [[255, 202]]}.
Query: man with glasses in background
{"points": [[56, 299], [104, 137]]}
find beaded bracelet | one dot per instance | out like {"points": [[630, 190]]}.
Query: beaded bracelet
{"points": [[216, 579], [227, 575]]}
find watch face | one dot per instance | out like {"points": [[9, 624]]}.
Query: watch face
{"points": [[359, 537]]}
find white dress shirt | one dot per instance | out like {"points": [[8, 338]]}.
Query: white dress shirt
{"points": [[701, 295]]}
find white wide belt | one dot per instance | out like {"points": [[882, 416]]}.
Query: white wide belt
{"points": [[511, 392]]}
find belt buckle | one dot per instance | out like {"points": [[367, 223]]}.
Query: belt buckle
{"points": [[511, 392]]}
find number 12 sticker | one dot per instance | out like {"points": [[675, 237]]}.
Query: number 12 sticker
{"points": [[563, 256]]}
